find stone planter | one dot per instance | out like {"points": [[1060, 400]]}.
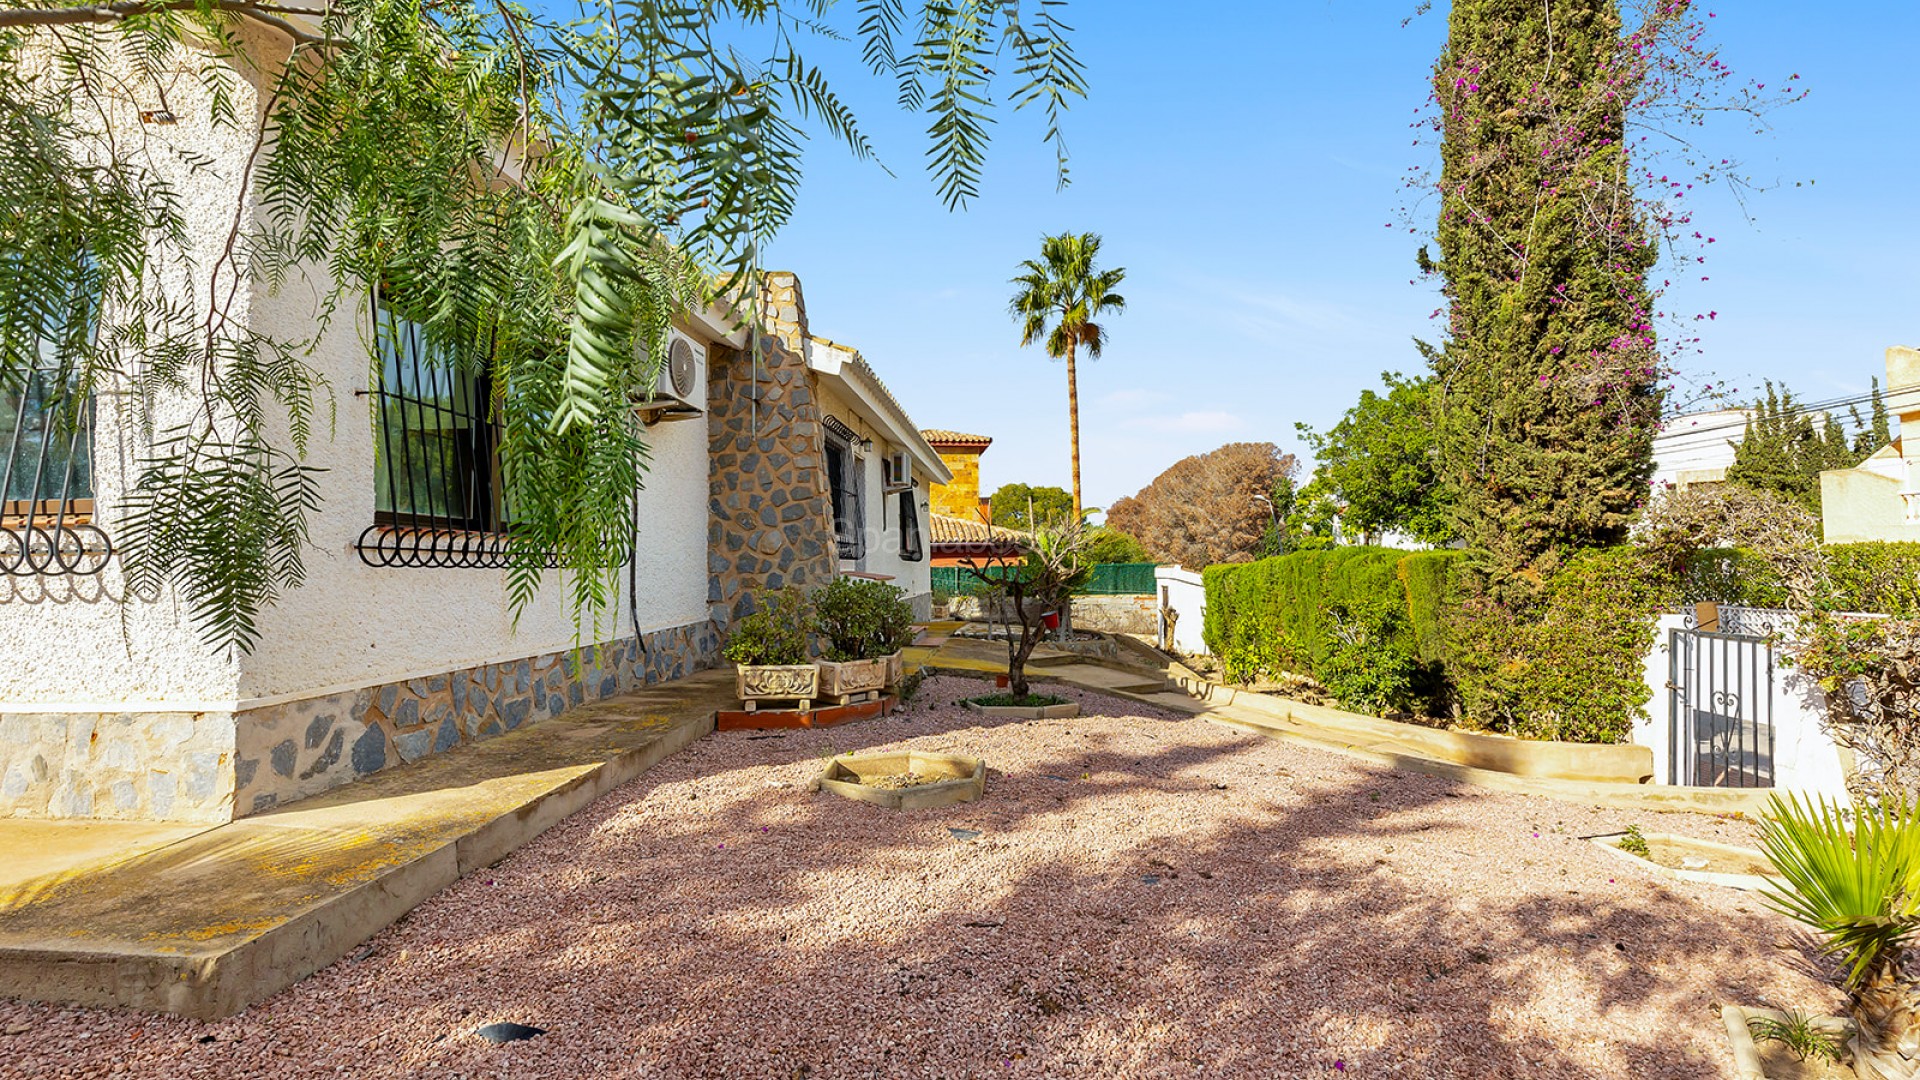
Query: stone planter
{"points": [[851, 677], [941, 779], [777, 682], [1772, 1061], [1711, 863], [1027, 712]]}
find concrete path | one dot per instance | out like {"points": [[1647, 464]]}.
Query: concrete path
{"points": [[1147, 678], [37, 855], [201, 921]]}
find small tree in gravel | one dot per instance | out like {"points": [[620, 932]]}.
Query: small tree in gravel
{"points": [[1023, 590]]}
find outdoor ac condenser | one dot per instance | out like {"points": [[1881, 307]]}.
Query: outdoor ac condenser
{"points": [[680, 391], [894, 471]]}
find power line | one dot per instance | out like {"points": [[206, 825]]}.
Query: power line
{"points": [[1798, 409]]}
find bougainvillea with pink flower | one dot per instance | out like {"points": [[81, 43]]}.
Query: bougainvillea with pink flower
{"points": [[1568, 147]]}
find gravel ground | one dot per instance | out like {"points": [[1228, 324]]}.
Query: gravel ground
{"points": [[1146, 896]]}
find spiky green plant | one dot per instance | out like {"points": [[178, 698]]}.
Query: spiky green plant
{"points": [[1799, 1033], [540, 192], [1860, 891]]}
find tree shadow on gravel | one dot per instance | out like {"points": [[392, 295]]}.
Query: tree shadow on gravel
{"points": [[1158, 898]]}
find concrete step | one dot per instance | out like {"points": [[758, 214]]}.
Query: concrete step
{"points": [[221, 918]]}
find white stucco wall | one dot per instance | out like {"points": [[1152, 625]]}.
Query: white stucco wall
{"points": [[83, 644], [1181, 591], [354, 625], [1697, 447], [882, 554], [80, 644]]}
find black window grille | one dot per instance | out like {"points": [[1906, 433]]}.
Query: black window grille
{"points": [[438, 500], [843, 481], [46, 477], [911, 547]]}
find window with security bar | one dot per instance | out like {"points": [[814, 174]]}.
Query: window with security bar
{"points": [[911, 547], [46, 451], [436, 448], [843, 483]]}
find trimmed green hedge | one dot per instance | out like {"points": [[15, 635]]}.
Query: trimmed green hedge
{"points": [[1882, 577], [1278, 614]]}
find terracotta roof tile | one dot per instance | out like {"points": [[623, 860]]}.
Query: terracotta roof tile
{"points": [[946, 530], [937, 437]]}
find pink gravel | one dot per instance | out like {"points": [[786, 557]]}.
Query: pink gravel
{"points": [[1148, 897]]}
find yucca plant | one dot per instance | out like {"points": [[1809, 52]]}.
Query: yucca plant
{"points": [[1860, 891]]}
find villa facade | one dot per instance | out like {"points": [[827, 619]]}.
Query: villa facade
{"points": [[783, 470]]}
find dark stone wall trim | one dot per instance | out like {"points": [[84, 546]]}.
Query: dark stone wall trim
{"points": [[301, 748]]}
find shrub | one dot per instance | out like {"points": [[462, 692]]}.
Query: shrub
{"points": [[1732, 576], [861, 619], [775, 634], [1882, 577], [1574, 671], [1388, 630], [1279, 614], [1368, 667]]}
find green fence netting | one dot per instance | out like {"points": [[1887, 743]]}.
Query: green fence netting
{"points": [[1109, 579]]}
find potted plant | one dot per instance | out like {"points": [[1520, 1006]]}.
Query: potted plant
{"points": [[769, 649], [942, 603], [863, 625]]}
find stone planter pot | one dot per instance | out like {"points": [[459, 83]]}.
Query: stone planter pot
{"points": [[851, 677], [777, 682], [1770, 1060]]}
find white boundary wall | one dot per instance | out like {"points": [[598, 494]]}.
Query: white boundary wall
{"points": [[1181, 591], [1805, 757]]}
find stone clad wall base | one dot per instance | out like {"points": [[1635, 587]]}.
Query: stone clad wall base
{"points": [[117, 766], [301, 748], [215, 767]]}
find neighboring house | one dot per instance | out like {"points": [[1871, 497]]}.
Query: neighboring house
{"points": [[1880, 498], [784, 471], [961, 497], [1697, 449], [961, 518]]}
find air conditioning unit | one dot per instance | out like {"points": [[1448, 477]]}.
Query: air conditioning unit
{"points": [[896, 471], [680, 388]]}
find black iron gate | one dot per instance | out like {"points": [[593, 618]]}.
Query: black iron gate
{"points": [[1719, 709]]}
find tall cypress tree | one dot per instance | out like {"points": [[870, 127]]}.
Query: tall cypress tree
{"points": [[1548, 384]]}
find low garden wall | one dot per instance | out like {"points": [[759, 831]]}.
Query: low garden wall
{"points": [[1615, 763]]}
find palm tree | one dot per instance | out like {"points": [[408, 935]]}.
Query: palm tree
{"points": [[1060, 296], [1860, 890]]}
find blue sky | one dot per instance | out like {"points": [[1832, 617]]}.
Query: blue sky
{"points": [[1244, 162]]}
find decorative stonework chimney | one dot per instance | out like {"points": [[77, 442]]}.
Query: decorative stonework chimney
{"points": [[961, 453], [784, 311]]}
